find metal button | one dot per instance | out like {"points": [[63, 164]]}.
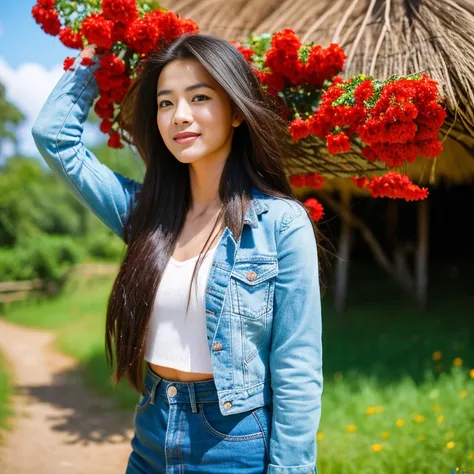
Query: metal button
{"points": [[227, 405], [251, 275], [172, 391], [217, 346]]}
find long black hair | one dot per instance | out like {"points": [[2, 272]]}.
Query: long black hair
{"points": [[154, 225]]}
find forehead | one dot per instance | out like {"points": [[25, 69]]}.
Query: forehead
{"points": [[184, 72]]}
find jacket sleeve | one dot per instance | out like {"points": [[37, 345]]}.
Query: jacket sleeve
{"points": [[296, 349], [57, 133]]}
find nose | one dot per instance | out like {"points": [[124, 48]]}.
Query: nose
{"points": [[183, 113]]}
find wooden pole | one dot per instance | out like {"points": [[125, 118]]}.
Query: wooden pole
{"points": [[344, 250], [421, 260]]}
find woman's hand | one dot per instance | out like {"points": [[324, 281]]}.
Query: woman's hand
{"points": [[89, 51]]}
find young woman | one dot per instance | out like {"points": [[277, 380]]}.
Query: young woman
{"points": [[232, 379]]}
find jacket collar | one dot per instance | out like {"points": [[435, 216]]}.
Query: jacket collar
{"points": [[255, 207]]}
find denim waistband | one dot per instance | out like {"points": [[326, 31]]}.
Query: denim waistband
{"points": [[172, 391]]}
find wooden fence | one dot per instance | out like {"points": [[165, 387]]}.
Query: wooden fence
{"points": [[20, 290]]}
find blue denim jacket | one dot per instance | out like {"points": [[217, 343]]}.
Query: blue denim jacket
{"points": [[262, 297]]}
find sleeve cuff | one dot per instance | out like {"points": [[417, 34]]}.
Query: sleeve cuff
{"points": [[303, 469]]}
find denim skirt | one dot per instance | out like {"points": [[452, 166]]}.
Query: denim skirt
{"points": [[179, 429]]}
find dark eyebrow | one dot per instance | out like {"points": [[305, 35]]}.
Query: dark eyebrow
{"points": [[190, 88]]}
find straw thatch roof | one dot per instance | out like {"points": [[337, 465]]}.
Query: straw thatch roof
{"points": [[380, 38]]}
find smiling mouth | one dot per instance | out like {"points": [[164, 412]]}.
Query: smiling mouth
{"points": [[184, 140]]}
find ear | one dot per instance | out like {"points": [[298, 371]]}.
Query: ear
{"points": [[237, 119]]}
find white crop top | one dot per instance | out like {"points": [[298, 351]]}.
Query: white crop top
{"points": [[175, 339]]}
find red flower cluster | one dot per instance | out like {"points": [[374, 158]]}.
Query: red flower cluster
{"points": [[46, 16], [247, 53], [311, 180], [323, 64], [392, 185], [294, 64], [119, 20], [113, 82], [316, 210], [401, 124]]}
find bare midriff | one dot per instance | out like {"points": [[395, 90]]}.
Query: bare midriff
{"points": [[168, 373]]}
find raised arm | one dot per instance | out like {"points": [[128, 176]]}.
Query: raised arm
{"points": [[57, 132]]}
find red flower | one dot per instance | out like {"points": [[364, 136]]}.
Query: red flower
{"points": [[103, 108], [112, 64], [105, 126], [87, 62], [98, 30], [363, 92], [274, 80], [70, 39], [360, 182], [68, 62], [339, 143], [47, 3], [298, 180], [114, 140], [299, 129], [323, 64], [282, 57], [123, 11], [316, 210], [47, 18], [247, 53], [142, 35], [430, 148], [312, 180], [118, 32], [315, 180], [394, 186]]}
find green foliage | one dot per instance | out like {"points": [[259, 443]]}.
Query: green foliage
{"points": [[48, 257]]}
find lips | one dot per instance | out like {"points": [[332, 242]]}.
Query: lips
{"points": [[185, 135]]}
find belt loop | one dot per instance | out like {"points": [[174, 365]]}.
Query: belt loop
{"points": [[192, 397], [153, 389]]}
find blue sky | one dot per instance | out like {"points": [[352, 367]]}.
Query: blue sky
{"points": [[30, 66]]}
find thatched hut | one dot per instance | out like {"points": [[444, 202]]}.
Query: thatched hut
{"points": [[380, 38]]}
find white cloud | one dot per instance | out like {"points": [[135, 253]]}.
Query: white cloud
{"points": [[28, 87]]}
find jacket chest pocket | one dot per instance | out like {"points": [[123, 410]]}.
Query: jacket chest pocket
{"points": [[253, 285]]}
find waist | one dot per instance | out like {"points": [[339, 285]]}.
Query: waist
{"points": [[175, 391]]}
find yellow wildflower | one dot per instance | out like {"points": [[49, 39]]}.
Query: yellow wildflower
{"points": [[370, 410], [450, 444], [385, 435], [440, 419], [471, 455], [463, 394], [419, 418], [457, 362], [437, 355], [436, 408], [377, 447], [351, 428], [400, 422], [471, 373], [320, 436]]}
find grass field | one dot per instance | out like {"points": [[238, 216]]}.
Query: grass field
{"points": [[398, 385], [5, 392]]}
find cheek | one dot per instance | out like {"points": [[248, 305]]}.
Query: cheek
{"points": [[162, 127]]}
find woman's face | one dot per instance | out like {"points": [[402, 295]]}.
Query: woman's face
{"points": [[191, 102]]}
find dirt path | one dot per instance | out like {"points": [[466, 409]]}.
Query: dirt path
{"points": [[59, 427]]}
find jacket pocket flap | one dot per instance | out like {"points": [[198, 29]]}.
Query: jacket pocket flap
{"points": [[254, 272]]}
